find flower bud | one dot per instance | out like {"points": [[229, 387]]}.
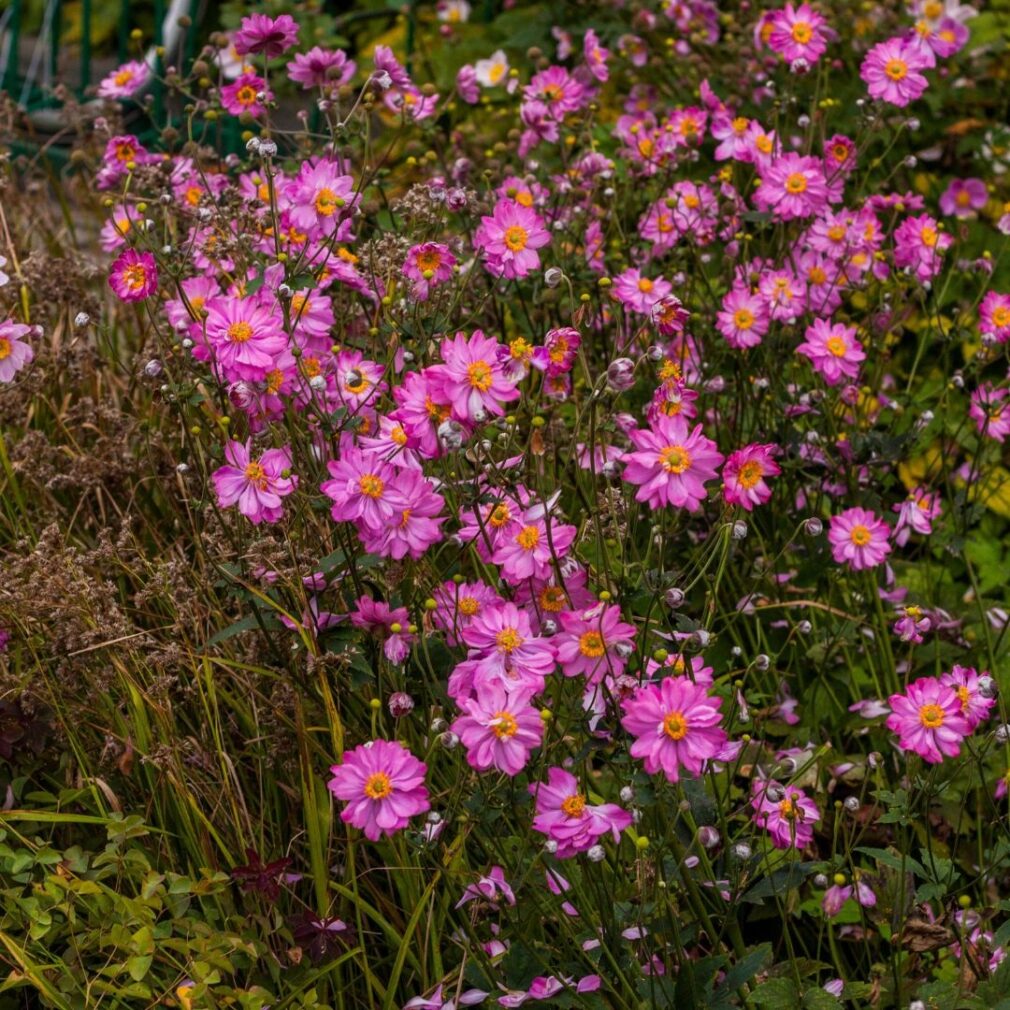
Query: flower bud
{"points": [[553, 276], [400, 704], [813, 527], [596, 854], [621, 374], [708, 837]]}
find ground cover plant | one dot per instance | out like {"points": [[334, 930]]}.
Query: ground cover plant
{"points": [[513, 508]]}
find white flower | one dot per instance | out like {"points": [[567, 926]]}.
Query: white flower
{"points": [[491, 72]]}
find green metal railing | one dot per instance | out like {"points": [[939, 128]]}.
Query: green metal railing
{"points": [[32, 87]]}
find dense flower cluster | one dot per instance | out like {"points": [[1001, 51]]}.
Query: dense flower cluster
{"points": [[620, 484]]}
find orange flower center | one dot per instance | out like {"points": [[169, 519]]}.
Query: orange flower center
{"points": [[645, 285], [479, 375], [378, 786], [500, 515], [504, 725], [591, 645], [674, 459], [327, 202], [371, 485], [508, 640], [796, 183], [802, 32], [931, 716], [246, 95], [750, 473], [574, 805], [896, 69], [675, 725], [135, 276], [516, 238], [788, 809], [528, 538], [743, 319], [430, 259], [860, 535], [255, 474], [468, 606], [239, 333], [5, 348], [836, 345]]}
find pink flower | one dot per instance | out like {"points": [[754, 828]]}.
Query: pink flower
{"points": [[488, 888], [416, 520], [392, 626], [557, 90], [929, 720], [499, 729], [919, 246], [786, 812], [383, 786], [14, 353], [743, 476], [963, 197], [671, 463], [916, 514], [387, 63], [510, 237], [259, 33], [411, 102], [891, 72], [243, 95], [246, 335], [503, 640], [529, 550], [472, 379], [257, 485], [323, 198], [743, 319], [564, 815], [792, 186], [677, 726], [561, 346], [322, 68], [836, 896], [360, 489], [458, 604], [134, 276], [964, 681], [428, 265], [989, 411], [596, 56], [594, 643], [467, 86], [994, 317], [912, 625], [639, 293], [124, 81], [833, 350], [798, 33], [859, 539]]}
